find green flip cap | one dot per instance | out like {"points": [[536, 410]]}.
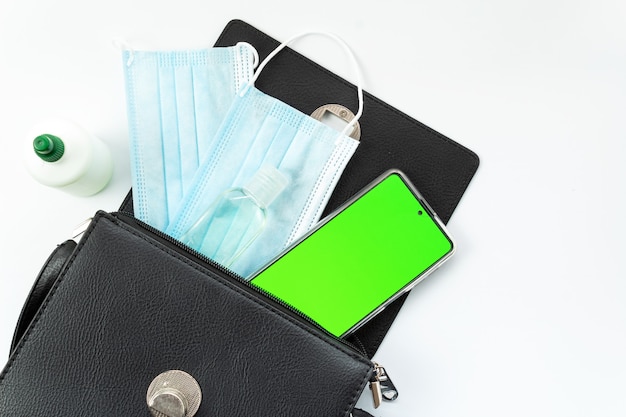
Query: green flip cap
{"points": [[48, 147]]}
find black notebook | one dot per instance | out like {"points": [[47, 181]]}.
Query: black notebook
{"points": [[439, 167]]}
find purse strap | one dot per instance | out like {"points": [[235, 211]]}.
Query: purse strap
{"points": [[45, 279]]}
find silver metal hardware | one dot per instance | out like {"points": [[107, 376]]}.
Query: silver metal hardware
{"points": [[389, 391], [381, 386], [174, 394], [343, 113], [377, 395]]}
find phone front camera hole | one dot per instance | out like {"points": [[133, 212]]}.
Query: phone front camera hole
{"points": [[419, 212]]}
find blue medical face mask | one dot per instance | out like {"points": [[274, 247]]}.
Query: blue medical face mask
{"points": [[176, 101], [261, 130]]}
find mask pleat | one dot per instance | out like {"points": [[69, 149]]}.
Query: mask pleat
{"points": [[203, 105], [170, 140], [187, 134], [280, 145], [260, 146]]}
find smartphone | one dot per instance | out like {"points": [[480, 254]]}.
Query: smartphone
{"points": [[356, 261]]}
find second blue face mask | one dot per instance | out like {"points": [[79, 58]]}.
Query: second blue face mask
{"points": [[176, 101], [260, 130]]}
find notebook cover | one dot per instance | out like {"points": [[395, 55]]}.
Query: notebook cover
{"points": [[440, 168]]}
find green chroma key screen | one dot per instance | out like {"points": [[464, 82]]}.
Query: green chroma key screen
{"points": [[354, 263]]}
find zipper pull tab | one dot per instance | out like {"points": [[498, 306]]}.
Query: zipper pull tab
{"points": [[388, 390], [381, 386], [377, 394]]}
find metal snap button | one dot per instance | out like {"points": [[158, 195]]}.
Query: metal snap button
{"points": [[174, 394]]}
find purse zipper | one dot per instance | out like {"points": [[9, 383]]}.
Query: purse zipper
{"points": [[237, 279], [381, 386]]}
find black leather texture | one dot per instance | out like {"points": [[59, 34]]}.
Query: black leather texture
{"points": [[46, 278], [440, 168], [130, 304]]}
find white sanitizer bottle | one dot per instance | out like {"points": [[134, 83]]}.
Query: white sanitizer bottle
{"points": [[61, 154]]}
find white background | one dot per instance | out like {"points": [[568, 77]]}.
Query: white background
{"points": [[529, 317]]}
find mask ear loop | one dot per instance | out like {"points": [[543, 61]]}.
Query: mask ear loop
{"points": [[355, 66], [122, 45], [255, 54]]}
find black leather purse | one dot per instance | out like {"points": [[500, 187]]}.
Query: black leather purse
{"points": [[132, 304], [128, 303]]}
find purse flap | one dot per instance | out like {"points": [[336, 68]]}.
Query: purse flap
{"points": [[127, 307]]}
